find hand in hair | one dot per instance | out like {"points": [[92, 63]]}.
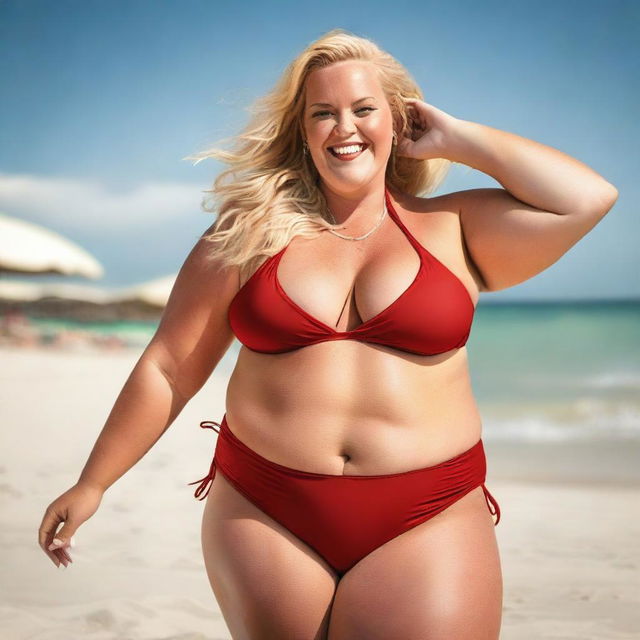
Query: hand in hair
{"points": [[429, 130]]}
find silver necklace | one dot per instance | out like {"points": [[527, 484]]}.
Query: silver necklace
{"points": [[382, 216]]}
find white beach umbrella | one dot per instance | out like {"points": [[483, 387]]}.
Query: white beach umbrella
{"points": [[154, 292], [23, 291], [26, 247]]}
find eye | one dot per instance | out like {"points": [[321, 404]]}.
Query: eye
{"points": [[320, 113]]}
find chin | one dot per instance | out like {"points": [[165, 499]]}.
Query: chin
{"points": [[346, 185]]}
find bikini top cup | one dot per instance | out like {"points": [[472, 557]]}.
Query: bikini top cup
{"points": [[433, 315]]}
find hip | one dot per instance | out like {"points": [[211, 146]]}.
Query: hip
{"points": [[353, 434]]}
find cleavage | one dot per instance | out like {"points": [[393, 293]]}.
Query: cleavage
{"points": [[341, 287]]}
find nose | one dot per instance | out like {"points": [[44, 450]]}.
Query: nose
{"points": [[345, 126]]}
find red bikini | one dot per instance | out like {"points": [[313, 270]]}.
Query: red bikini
{"points": [[345, 517], [433, 315]]}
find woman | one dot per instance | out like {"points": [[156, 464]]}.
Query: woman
{"points": [[350, 500]]}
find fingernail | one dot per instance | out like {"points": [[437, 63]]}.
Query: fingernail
{"points": [[57, 542]]}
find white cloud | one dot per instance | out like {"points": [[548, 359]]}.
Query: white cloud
{"points": [[88, 205]]}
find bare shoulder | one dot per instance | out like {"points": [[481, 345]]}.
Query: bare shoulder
{"points": [[447, 203], [510, 241], [435, 216], [194, 333], [436, 224]]}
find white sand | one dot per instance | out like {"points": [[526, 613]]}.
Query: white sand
{"points": [[570, 551]]}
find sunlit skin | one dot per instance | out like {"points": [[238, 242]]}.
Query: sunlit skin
{"points": [[405, 416], [345, 406], [354, 190]]}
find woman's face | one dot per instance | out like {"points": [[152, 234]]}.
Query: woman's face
{"points": [[345, 103]]}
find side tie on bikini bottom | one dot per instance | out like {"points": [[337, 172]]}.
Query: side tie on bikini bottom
{"points": [[496, 507], [344, 517], [207, 481]]}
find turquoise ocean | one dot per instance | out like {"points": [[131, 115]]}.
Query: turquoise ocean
{"points": [[543, 371]]}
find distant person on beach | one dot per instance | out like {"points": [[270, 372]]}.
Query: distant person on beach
{"points": [[350, 501]]}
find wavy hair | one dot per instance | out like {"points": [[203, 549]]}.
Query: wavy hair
{"points": [[269, 193]]}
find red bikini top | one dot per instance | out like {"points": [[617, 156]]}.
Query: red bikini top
{"points": [[433, 315]]}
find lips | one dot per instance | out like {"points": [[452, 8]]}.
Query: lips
{"points": [[348, 156]]}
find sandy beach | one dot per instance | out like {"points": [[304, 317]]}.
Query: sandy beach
{"points": [[569, 534]]}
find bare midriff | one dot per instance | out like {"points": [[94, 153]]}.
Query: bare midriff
{"points": [[348, 407]]}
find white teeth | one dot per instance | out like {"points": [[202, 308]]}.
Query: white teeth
{"points": [[346, 150]]}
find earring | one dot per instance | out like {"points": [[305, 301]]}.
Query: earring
{"points": [[395, 139], [305, 148]]}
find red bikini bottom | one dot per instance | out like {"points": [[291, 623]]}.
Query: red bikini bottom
{"points": [[345, 517]]}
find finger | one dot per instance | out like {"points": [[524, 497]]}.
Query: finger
{"points": [[416, 108], [49, 524], [53, 556], [417, 120], [57, 554], [61, 556], [404, 147], [66, 554], [66, 547], [419, 116], [64, 561]]}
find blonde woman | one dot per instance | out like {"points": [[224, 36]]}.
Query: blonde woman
{"points": [[350, 499]]}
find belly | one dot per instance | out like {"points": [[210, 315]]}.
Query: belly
{"points": [[347, 407]]}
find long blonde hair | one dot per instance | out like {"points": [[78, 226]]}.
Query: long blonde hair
{"points": [[270, 191]]}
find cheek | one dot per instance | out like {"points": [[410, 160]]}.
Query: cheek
{"points": [[378, 129], [386, 123], [320, 131]]}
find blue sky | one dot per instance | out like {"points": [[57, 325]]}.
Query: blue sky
{"points": [[102, 101]]}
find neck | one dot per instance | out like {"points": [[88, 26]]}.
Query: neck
{"points": [[357, 210]]}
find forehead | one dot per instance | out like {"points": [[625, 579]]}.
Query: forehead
{"points": [[342, 80]]}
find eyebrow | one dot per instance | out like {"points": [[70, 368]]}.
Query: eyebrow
{"points": [[326, 104]]}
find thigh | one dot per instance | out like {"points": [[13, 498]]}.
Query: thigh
{"points": [[268, 583], [440, 580]]}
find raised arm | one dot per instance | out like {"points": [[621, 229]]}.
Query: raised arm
{"points": [[549, 202]]}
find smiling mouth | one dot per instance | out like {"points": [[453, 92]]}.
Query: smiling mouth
{"points": [[348, 156]]}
